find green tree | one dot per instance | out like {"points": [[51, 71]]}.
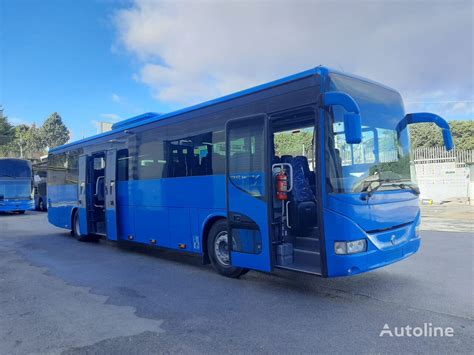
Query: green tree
{"points": [[429, 135], [35, 144], [6, 134], [18, 145], [54, 132], [28, 142], [287, 143]]}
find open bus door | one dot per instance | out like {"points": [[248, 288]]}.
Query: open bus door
{"points": [[110, 194], [247, 175]]}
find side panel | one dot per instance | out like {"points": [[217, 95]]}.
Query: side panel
{"points": [[82, 182], [110, 194], [125, 211], [180, 228], [157, 206]]}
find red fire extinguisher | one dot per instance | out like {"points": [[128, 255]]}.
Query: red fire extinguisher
{"points": [[282, 185]]}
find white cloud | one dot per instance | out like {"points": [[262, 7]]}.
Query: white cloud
{"points": [[111, 117], [116, 98], [196, 50]]}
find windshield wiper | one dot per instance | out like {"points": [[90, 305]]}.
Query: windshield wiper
{"points": [[401, 185], [404, 186], [369, 194]]}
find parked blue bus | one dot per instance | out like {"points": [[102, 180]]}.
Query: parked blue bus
{"points": [[15, 185], [40, 187], [309, 173]]}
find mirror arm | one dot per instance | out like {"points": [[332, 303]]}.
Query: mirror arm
{"points": [[339, 98], [426, 117], [422, 117]]}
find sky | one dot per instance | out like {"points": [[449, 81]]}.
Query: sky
{"points": [[106, 60]]}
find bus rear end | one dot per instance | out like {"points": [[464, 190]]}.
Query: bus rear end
{"points": [[15, 185]]}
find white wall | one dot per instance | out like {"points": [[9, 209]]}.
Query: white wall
{"points": [[443, 181]]}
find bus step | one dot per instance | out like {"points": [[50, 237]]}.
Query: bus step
{"points": [[307, 243], [306, 258], [308, 269]]}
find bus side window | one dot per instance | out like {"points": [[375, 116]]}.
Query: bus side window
{"points": [[122, 165]]}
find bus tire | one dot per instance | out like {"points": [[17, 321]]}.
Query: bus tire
{"points": [[76, 232], [41, 205], [219, 253]]}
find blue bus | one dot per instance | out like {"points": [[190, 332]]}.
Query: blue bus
{"points": [[15, 185], [40, 187], [309, 173]]}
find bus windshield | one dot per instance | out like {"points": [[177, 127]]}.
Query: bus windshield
{"points": [[15, 168], [382, 160]]}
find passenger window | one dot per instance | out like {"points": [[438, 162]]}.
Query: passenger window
{"points": [[151, 162], [181, 150], [194, 156], [122, 165]]}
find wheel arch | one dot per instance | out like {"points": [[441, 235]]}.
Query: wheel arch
{"points": [[205, 228], [74, 210]]}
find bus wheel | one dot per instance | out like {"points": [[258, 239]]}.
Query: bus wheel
{"points": [[41, 205], [218, 249], [76, 230], [20, 212]]}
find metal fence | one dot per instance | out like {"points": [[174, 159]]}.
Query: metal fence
{"points": [[441, 155]]}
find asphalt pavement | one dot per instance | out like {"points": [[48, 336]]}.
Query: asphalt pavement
{"points": [[58, 295]]}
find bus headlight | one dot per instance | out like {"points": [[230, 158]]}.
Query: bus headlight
{"points": [[351, 247], [417, 230]]}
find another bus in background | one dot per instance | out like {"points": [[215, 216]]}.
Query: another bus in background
{"points": [[16, 185], [40, 186]]}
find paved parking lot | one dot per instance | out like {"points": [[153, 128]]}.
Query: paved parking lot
{"points": [[58, 295]]}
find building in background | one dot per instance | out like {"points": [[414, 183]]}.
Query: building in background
{"points": [[104, 127]]}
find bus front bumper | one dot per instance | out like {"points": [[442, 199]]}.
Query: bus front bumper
{"points": [[345, 265], [16, 205]]}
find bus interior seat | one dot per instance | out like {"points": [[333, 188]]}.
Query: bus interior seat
{"points": [[302, 209], [310, 175], [286, 159], [205, 167], [178, 165]]}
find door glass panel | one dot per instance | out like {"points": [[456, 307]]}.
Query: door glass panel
{"points": [[246, 158]]}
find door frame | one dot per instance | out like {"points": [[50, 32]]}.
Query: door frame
{"points": [[267, 185], [319, 168], [83, 193], [110, 187]]}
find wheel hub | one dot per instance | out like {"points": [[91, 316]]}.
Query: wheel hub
{"points": [[221, 248]]}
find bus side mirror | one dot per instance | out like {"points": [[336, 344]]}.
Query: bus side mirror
{"points": [[352, 121], [352, 128], [426, 117]]}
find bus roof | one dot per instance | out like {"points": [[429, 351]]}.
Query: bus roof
{"points": [[152, 117]]}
